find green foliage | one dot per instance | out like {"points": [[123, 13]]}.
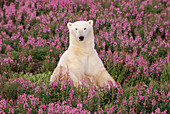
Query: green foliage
{"points": [[39, 54], [38, 79], [25, 37], [10, 91], [166, 73]]}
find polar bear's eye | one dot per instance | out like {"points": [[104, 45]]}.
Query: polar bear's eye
{"points": [[76, 29], [84, 28]]}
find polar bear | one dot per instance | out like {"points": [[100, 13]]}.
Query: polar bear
{"points": [[81, 61]]}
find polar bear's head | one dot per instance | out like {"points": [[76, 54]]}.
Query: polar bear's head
{"points": [[80, 30]]}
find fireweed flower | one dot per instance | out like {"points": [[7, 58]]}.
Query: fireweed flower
{"points": [[157, 111], [8, 48], [124, 102], [130, 103], [140, 97], [0, 43], [153, 102], [29, 58]]}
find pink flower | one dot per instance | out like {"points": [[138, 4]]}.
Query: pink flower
{"points": [[40, 111], [124, 102], [2, 104], [71, 94], [54, 84], [130, 97], [29, 109], [120, 112], [21, 42], [153, 102], [144, 104], [140, 97], [25, 105], [137, 87], [0, 43], [11, 110], [130, 103], [164, 112], [51, 50], [8, 48], [51, 108], [157, 111], [29, 58], [79, 106]]}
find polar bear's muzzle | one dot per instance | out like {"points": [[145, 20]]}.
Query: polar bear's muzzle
{"points": [[81, 38]]}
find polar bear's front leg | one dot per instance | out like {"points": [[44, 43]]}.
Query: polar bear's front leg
{"points": [[103, 78], [97, 72], [64, 72]]}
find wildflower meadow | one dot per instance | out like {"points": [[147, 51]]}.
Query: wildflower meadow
{"points": [[132, 38]]}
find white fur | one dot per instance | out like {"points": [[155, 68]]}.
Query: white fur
{"points": [[81, 60]]}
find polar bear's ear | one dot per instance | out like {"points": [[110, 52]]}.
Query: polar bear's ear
{"points": [[69, 25], [90, 22]]}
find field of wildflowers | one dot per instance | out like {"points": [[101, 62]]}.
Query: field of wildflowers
{"points": [[131, 37]]}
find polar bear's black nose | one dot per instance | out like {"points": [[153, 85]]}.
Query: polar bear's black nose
{"points": [[81, 38]]}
